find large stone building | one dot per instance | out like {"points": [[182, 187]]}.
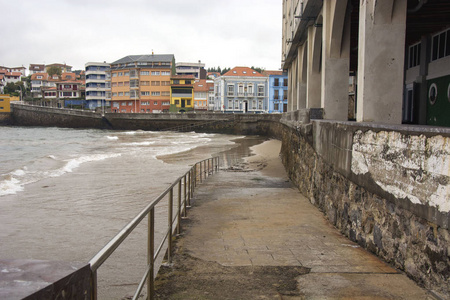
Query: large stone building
{"points": [[325, 41], [141, 83]]}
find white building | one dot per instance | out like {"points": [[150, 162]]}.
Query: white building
{"points": [[97, 84]]}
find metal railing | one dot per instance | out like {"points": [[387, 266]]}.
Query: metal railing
{"points": [[186, 185]]}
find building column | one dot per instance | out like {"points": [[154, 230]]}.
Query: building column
{"points": [[335, 59], [289, 91], [294, 67], [313, 81], [302, 75], [382, 26]]}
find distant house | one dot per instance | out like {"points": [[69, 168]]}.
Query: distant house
{"points": [[195, 69], [182, 93], [56, 90], [36, 68], [202, 89], [241, 90], [64, 68], [278, 91]]}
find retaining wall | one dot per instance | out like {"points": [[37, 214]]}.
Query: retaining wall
{"points": [[385, 187]]}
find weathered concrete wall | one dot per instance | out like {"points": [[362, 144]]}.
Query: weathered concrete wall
{"points": [[385, 187], [27, 115], [5, 118]]}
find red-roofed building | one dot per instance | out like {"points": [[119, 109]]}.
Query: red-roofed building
{"points": [[241, 90], [202, 89]]}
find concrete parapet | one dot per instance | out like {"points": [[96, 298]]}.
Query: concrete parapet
{"points": [[37, 279], [386, 187]]}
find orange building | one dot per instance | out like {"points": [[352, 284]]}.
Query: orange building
{"points": [[141, 83]]}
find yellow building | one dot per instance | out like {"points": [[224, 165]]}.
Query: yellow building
{"points": [[182, 93], [5, 105], [141, 83]]}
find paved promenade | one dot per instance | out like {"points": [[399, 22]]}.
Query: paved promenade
{"points": [[251, 235]]}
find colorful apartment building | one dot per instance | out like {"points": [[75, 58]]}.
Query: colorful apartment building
{"points": [[202, 90], [96, 84], [141, 83], [5, 105], [278, 91], [241, 90], [182, 93]]}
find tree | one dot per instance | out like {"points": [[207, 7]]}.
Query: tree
{"points": [[54, 70]]}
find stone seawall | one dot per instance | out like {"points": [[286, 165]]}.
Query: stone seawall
{"points": [[384, 187], [5, 118]]}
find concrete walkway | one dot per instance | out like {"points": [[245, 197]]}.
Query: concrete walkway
{"points": [[251, 235]]}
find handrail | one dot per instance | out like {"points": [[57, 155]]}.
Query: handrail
{"points": [[200, 170]]}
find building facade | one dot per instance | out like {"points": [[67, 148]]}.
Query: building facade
{"points": [[202, 90], [278, 88], [141, 83], [326, 41], [182, 93], [194, 69], [36, 68], [241, 90], [97, 85]]}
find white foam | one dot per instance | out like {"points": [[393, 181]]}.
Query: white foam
{"points": [[139, 144], [112, 138], [10, 186]]}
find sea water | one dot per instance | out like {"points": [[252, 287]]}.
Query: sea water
{"points": [[64, 193]]}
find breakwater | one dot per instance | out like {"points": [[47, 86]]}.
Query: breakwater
{"points": [[385, 187]]}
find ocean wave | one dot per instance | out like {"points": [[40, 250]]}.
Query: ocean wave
{"points": [[112, 138], [139, 143], [10, 186], [16, 180]]}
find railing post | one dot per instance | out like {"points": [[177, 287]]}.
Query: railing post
{"points": [[151, 253], [189, 187], [170, 218], [185, 205], [200, 172], [179, 208], [209, 167], [94, 285]]}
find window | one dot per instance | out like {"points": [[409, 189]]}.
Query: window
{"points": [[260, 90], [187, 82], [236, 104], [145, 82], [165, 73], [276, 82], [177, 102], [276, 95], [176, 81], [230, 104], [241, 89], [130, 103], [126, 74], [166, 103], [145, 93], [127, 94], [155, 73], [231, 90], [188, 102], [165, 83], [124, 104], [120, 84], [145, 73], [120, 74], [145, 102], [114, 94], [120, 94], [156, 93], [114, 74], [414, 55], [155, 102], [276, 106], [285, 82], [126, 83], [115, 104], [440, 46], [114, 84], [260, 104], [39, 77], [156, 83], [165, 93]]}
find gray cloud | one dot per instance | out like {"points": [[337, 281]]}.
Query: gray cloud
{"points": [[226, 33]]}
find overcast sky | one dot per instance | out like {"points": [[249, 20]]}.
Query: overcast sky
{"points": [[225, 33]]}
